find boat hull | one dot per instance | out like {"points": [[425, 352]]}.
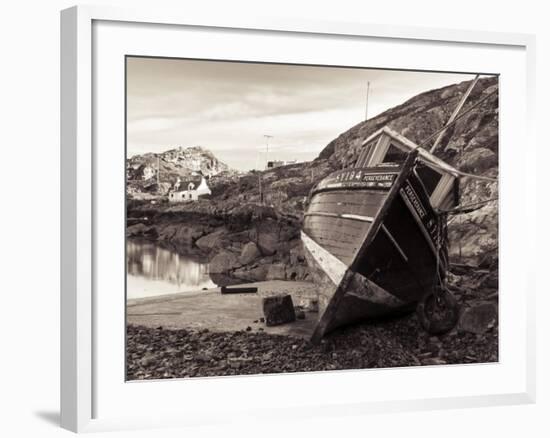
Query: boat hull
{"points": [[372, 238]]}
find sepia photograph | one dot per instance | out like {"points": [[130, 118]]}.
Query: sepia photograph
{"points": [[287, 218]]}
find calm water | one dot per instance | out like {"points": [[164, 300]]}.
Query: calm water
{"points": [[152, 270]]}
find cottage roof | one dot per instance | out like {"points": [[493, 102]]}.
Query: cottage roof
{"points": [[196, 180]]}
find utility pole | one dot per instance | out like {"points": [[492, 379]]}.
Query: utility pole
{"points": [[367, 103], [267, 137], [260, 186], [158, 172]]}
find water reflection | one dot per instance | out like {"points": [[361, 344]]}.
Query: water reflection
{"points": [[152, 270]]}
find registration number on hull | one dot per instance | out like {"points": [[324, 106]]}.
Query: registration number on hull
{"points": [[358, 179]]}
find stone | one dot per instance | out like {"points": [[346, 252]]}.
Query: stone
{"points": [[478, 160], [186, 234], [257, 273], [203, 357], [147, 360], [278, 309], [223, 262], [479, 319], [166, 232], [297, 273], [297, 255], [300, 314], [139, 230], [309, 304], [249, 253], [276, 271], [268, 242], [491, 280], [212, 240]]}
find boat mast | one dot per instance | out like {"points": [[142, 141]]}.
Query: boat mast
{"points": [[454, 114]]}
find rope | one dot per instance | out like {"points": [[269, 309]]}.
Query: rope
{"points": [[468, 175], [468, 207], [457, 118], [437, 277]]}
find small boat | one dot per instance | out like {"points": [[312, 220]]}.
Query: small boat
{"points": [[375, 233]]}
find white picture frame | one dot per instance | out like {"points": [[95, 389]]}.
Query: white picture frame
{"points": [[82, 370]]}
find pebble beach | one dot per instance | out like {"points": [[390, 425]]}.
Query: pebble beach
{"points": [[168, 345]]}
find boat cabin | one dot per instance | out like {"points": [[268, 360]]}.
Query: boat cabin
{"points": [[388, 148]]}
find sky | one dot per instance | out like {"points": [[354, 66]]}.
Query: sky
{"points": [[228, 107]]}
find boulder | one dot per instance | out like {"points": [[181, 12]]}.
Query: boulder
{"points": [[297, 255], [297, 273], [309, 304], [180, 234], [268, 242], [300, 314], [278, 310], [223, 262], [187, 234], [478, 161], [479, 319], [166, 231], [257, 273], [139, 230], [212, 240], [249, 253], [276, 271]]}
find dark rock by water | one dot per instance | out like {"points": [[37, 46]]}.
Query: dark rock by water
{"points": [[223, 262]]}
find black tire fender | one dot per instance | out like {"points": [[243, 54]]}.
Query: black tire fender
{"points": [[446, 303]]}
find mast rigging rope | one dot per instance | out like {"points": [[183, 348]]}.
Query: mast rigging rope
{"points": [[457, 118]]}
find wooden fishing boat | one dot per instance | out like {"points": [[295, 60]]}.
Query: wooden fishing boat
{"points": [[375, 234]]}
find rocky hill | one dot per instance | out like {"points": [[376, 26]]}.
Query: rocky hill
{"points": [[141, 170]]}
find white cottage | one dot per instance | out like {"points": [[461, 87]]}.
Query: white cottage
{"points": [[191, 194]]}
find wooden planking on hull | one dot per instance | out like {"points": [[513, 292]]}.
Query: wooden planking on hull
{"points": [[337, 296], [340, 236], [358, 202], [339, 220]]}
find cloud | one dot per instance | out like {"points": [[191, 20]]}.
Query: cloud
{"points": [[227, 107]]}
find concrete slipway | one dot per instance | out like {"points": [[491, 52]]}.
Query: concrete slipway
{"points": [[216, 312]]}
